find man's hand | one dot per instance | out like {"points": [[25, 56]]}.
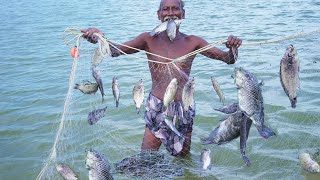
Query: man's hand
{"points": [[233, 41], [88, 34]]}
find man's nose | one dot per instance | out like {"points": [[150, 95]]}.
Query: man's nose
{"points": [[170, 11]]}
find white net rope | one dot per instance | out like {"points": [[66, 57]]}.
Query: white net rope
{"points": [[118, 135]]}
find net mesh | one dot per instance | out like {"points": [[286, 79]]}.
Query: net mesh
{"points": [[118, 134]]}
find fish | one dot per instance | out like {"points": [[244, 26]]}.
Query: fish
{"points": [[160, 28], [164, 26], [171, 30], [97, 57], [172, 126], [170, 93], [95, 115], [308, 164], [96, 74], [289, 74], [138, 94], [234, 126], [251, 101], [187, 95], [115, 90], [227, 130], [206, 159], [218, 90], [66, 172], [87, 88], [228, 109], [98, 166]]}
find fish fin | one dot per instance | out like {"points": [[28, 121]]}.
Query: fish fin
{"points": [[246, 160], [138, 110], [76, 86], [265, 132], [261, 83], [293, 102]]}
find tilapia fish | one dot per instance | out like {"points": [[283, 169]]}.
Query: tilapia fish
{"points": [[170, 92], [308, 163], [187, 95], [250, 100], [205, 158], [87, 88], [115, 90], [98, 166], [97, 77], [138, 94], [66, 172], [232, 127], [218, 90], [289, 74], [95, 115], [228, 109]]}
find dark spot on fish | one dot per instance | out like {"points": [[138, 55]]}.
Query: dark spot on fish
{"points": [[314, 61]]}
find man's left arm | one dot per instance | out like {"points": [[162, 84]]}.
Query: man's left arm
{"points": [[229, 57]]}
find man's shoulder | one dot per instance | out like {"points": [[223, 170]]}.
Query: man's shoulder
{"points": [[192, 38]]}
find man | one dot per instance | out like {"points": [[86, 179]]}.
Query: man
{"points": [[156, 131]]}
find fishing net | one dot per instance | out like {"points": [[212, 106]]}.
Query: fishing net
{"points": [[119, 133]]}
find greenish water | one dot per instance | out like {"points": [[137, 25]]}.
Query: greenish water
{"points": [[35, 68]]}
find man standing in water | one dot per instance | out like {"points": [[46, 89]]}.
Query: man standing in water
{"points": [[156, 131]]}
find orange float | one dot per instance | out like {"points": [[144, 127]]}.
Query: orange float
{"points": [[73, 51]]}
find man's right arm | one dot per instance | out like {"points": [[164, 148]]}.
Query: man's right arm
{"points": [[138, 43]]}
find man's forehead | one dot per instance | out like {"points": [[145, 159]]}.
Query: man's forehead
{"points": [[171, 3]]}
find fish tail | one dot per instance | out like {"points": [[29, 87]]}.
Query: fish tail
{"points": [[265, 132], [138, 110], [76, 86], [293, 102], [117, 103], [102, 99]]}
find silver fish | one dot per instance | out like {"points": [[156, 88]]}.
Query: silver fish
{"points": [[95, 115], [66, 172], [289, 74], [138, 94], [205, 158], [87, 88], [308, 163], [251, 100], [235, 125], [97, 57], [228, 109], [171, 29], [98, 166], [115, 90], [187, 95], [170, 92], [96, 74], [218, 90], [160, 28], [171, 125]]}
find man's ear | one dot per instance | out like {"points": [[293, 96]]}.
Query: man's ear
{"points": [[183, 13], [158, 12]]}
